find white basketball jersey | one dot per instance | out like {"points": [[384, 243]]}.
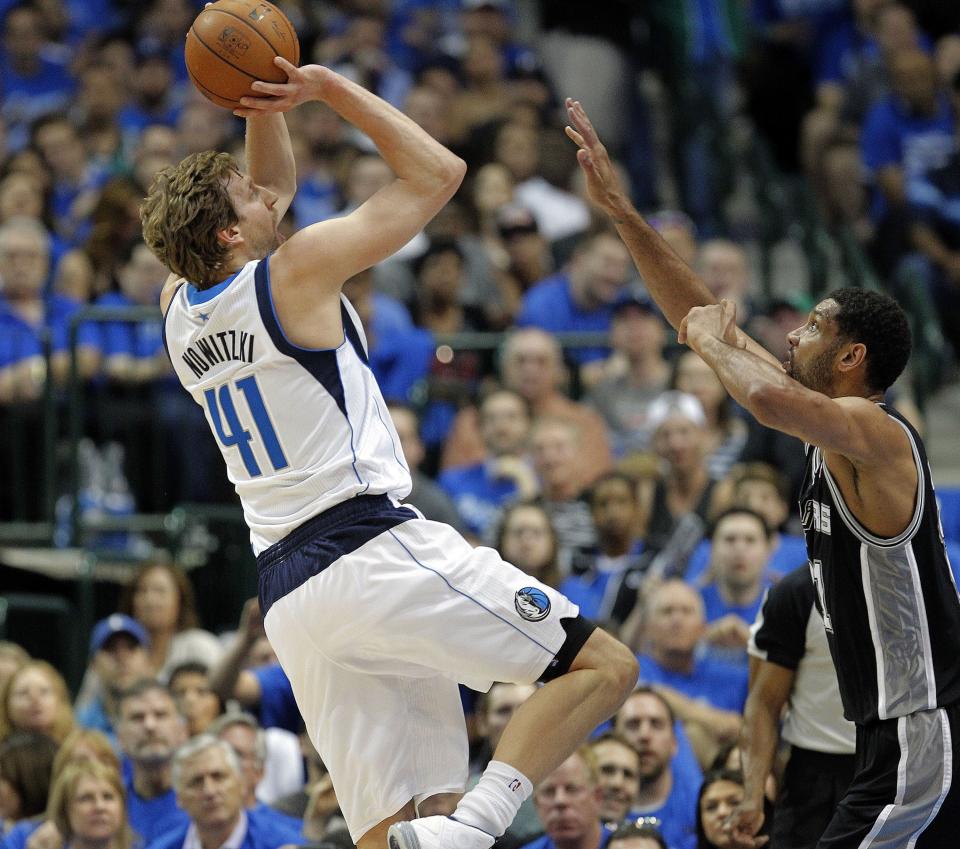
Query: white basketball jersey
{"points": [[300, 429]]}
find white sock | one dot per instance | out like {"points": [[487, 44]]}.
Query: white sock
{"points": [[492, 805]]}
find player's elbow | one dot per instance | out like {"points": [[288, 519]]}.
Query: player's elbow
{"points": [[766, 403], [452, 173]]}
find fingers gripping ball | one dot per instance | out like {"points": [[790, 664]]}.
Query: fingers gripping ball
{"points": [[234, 42]]}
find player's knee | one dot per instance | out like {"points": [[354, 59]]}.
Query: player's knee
{"points": [[614, 662], [623, 670]]}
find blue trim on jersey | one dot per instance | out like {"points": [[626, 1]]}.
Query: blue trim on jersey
{"points": [[350, 332], [197, 296], [470, 597], [317, 543], [321, 363]]}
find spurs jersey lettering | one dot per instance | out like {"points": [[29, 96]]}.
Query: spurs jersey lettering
{"points": [[890, 606], [300, 430]]}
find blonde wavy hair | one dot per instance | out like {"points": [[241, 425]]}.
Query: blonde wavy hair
{"points": [[63, 723], [185, 208], [64, 790]]}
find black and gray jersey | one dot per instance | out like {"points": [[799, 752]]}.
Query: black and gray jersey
{"points": [[890, 606]]}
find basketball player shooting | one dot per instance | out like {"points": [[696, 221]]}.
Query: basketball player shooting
{"points": [[870, 518], [375, 613]]}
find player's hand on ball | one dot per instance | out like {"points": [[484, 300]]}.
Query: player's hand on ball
{"points": [[302, 84]]}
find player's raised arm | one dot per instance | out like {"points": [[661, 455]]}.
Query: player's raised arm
{"points": [[852, 426], [270, 158], [669, 280], [426, 176]]}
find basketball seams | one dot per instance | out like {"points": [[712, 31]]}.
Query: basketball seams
{"points": [[238, 59], [221, 58], [212, 94], [247, 24]]}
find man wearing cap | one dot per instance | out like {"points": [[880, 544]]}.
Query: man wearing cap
{"points": [[118, 657], [634, 375]]}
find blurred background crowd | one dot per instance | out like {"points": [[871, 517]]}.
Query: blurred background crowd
{"points": [[781, 147]]}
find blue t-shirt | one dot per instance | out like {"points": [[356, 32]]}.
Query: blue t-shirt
{"points": [[892, 135], [278, 708], [720, 684], [154, 818], [17, 837], [20, 340], [716, 608], [791, 552], [23, 100], [678, 815], [549, 305], [136, 339], [477, 494], [545, 842]]}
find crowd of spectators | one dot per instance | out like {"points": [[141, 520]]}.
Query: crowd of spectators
{"points": [[619, 471]]}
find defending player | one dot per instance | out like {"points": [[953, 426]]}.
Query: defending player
{"points": [[870, 517], [374, 612]]}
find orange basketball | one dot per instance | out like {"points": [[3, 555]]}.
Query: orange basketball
{"points": [[232, 43]]}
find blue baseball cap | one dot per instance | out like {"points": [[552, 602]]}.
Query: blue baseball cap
{"points": [[117, 623]]}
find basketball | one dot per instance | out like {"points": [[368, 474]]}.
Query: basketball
{"points": [[232, 43]]}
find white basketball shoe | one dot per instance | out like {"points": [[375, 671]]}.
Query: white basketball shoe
{"points": [[437, 833]]}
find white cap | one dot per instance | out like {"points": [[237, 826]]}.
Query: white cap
{"points": [[673, 403]]}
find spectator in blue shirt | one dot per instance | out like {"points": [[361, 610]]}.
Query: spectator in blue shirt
{"points": [[741, 552], [667, 786], [26, 316], [32, 83], [480, 491], [568, 804], [133, 351], [581, 297], [77, 179], [706, 694], [908, 133], [118, 657], [935, 209], [760, 487], [206, 775], [149, 730]]}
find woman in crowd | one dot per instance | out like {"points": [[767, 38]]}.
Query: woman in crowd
{"points": [[26, 763], [88, 807], [82, 745], [721, 791], [527, 539], [160, 597], [35, 698]]}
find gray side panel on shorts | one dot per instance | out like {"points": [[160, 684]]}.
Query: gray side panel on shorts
{"points": [[923, 780]]}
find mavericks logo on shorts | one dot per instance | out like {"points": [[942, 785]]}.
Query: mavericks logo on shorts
{"points": [[532, 604]]}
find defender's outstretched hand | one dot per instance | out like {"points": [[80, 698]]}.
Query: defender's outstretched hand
{"points": [[602, 184], [302, 84]]}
